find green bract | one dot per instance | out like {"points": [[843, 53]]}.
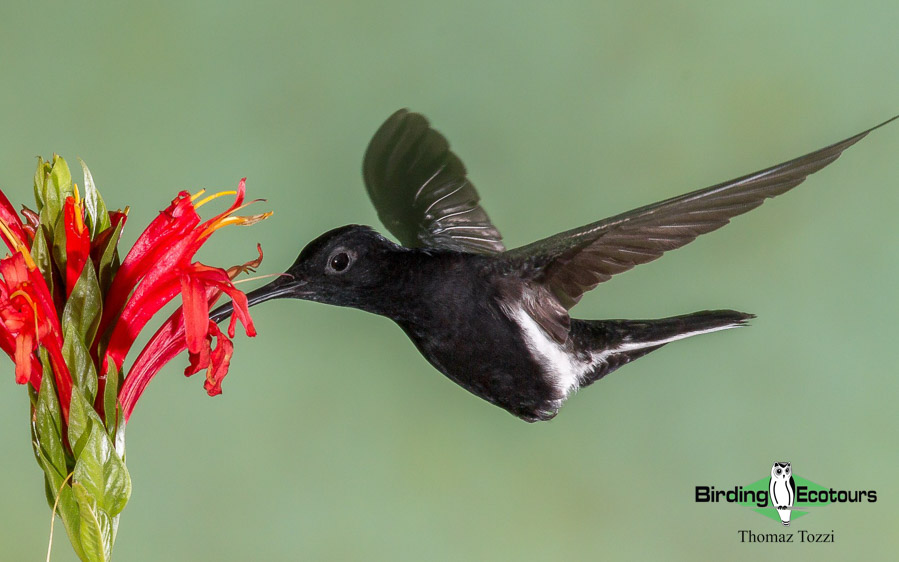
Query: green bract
{"points": [[70, 312]]}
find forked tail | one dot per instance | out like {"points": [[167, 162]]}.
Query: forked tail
{"points": [[614, 343]]}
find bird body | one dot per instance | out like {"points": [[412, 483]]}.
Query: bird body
{"points": [[468, 316], [495, 321]]}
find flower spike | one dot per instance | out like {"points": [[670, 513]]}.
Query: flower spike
{"points": [[71, 312]]}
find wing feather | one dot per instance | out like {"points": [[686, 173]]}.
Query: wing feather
{"points": [[420, 189], [574, 262]]}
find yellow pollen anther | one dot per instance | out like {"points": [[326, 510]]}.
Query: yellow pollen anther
{"points": [[211, 197], [9, 235], [197, 194], [18, 244], [225, 221], [24, 295], [79, 220]]}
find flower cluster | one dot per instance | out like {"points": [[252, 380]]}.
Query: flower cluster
{"points": [[70, 313]]}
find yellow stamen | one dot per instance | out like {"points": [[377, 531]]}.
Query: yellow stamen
{"points": [[9, 235], [18, 244], [79, 220], [197, 194], [225, 221], [211, 197], [25, 296]]}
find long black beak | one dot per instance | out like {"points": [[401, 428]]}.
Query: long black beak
{"points": [[285, 286]]}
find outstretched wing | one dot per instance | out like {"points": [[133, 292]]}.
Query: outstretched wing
{"points": [[574, 262], [420, 190]]}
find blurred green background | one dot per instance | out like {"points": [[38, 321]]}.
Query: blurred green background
{"points": [[334, 440]]}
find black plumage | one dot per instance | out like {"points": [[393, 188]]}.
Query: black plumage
{"points": [[494, 321]]}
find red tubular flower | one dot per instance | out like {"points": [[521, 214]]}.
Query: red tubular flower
{"points": [[24, 326], [172, 338], [157, 268], [11, 226], [78, 242], [27, 313], [70, 312], [154, 242]]}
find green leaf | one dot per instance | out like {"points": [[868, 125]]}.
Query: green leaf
{"points": [[68, 510], [47, 441], [120, 431], [47, 428], [57, 242], [111, 401], [97, 215], [41, 256], [48, 420], [32, 395], [55, 187], [109, 260], [96, 527], [78, 359], [60, 185], [84, 306], [102, 471], [80, 421], [98, 467], [40, 182]]}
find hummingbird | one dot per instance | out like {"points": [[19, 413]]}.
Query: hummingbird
{"points": [[496, 321]]}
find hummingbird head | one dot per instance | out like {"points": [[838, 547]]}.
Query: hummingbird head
{"points": [[347, 266]]}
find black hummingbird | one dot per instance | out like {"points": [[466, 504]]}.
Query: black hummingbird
{"points": [[493, 320]]}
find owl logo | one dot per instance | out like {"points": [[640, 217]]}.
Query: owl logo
{"points": [[782, 490]]}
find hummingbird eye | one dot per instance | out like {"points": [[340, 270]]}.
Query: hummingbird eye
{"points": [[339, 262]]}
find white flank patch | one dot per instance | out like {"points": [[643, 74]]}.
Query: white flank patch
{"points": [[563, 365], [558, 362]]}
